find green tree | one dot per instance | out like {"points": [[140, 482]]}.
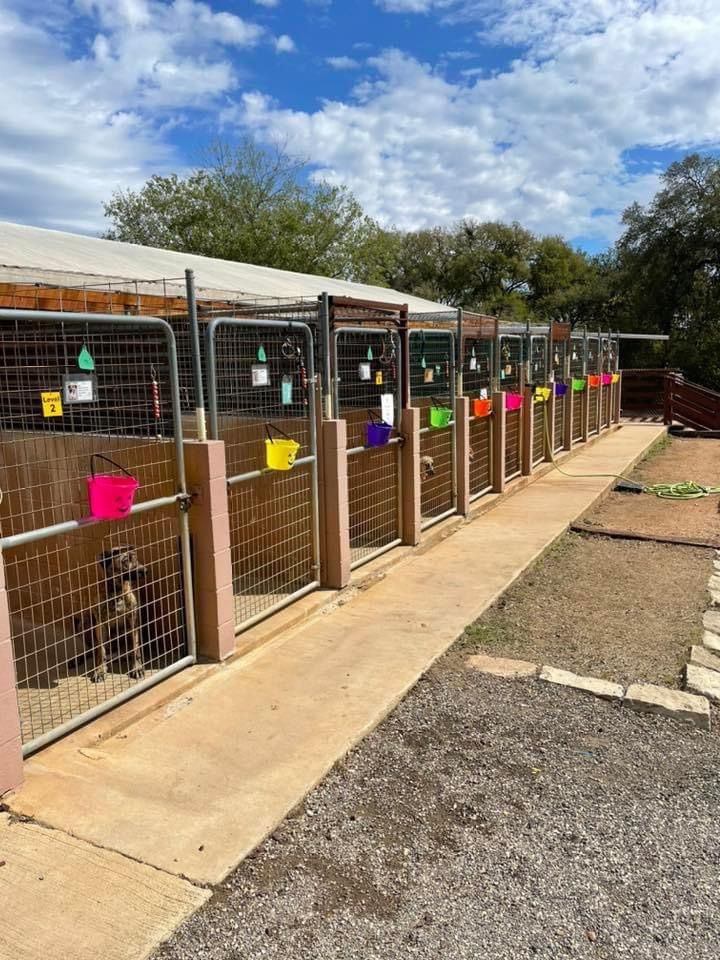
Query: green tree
{"points": [[669, 266], [253, 205]]}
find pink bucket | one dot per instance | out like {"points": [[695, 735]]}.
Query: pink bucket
{"points": [[110, 497], [607, 379], [513, 401]]}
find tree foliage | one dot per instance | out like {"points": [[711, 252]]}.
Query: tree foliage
{"points": [[252, 205]]}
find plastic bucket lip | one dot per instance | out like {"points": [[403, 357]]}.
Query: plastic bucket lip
{"points": [[281, 454], [378, 433]]}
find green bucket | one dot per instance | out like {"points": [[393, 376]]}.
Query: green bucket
{"points": [[578, 385], [439, 416]]}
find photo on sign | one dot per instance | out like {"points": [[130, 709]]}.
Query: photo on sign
{"points": [[79, 388]]}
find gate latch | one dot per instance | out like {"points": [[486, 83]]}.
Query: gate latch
{"points": [[185, 501]]}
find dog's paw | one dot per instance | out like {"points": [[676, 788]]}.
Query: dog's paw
{"points": [[137, 672], [98, 675]]}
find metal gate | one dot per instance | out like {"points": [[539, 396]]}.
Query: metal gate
{"points": [[537, 361], [510, 378], [606, 388], [558, 361], [577, 373], [432, 389], [477, 377], [262, 403], [99, 609], [367, 373]]}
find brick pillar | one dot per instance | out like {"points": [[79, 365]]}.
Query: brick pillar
{"points": [[617, 387], [335, 529], [528, 431], [498, 442], [212, 564], [587, 399], [568, 425], [549, 433], [410, 468], [11, 761], [462, 454]]}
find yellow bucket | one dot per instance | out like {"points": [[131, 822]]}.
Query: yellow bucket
{"points": [[280, 454], [616, 378], [542, 394]]}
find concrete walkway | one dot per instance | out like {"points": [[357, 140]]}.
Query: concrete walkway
{"points": [[192, 787]]}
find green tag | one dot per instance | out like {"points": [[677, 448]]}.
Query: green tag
{"points": [[370, 353], [286, 390], [85, 360], [261, 355], [423, 363]]}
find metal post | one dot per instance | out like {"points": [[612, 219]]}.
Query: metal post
{"points": [[196, 360], [324, 310]]}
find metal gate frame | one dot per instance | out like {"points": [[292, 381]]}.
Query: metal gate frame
{"points": [[538, 408], [181, 499], [311, 460], [467, 338], [452, 389], [559, 375], [394, 335], [594, 394]]}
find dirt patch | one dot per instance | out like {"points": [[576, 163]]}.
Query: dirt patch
{"points": [[672, 461], [619, 610]]}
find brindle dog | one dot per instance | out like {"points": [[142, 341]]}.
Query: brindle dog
{"points": [[116, 615]]}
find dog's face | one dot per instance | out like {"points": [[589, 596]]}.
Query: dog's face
{"points": [[122, 563], [427, 467]]}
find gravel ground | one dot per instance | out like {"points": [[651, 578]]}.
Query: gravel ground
{"points": [[491, 820], [620, 610]]}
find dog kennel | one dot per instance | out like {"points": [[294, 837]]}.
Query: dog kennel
{"points": [[594, 381], [477, 364], [87, 396], [578, 384], [538, 377], [431, 363], [558, 364], [367, 384], [511, 381]]}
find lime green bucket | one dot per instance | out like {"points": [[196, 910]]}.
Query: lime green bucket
{"points": [[439, 416], [578, 385]]}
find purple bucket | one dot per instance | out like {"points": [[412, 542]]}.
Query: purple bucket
{"points": [[378, 433], [560, 389]]}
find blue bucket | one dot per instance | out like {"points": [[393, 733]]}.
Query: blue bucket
{"points": [[378, 432]]}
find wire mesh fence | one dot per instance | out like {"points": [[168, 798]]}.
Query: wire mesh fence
{"points": [[594, 367], [432, 390], [262, 405], [97, 609], [367, 371], [558, 363]]}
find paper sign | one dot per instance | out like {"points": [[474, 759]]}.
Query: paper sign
{"points": [[286, 390], [51, 403], [78, 388], [387, 408], [429, 375], [260, 375], [473, 363], [483, 393], [364, 371]]}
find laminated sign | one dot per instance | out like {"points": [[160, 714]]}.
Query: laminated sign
{"points": [[51, 403]]}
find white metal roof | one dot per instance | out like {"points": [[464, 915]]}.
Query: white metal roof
{"points": [[33, 254]]}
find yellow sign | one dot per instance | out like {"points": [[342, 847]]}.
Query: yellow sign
{"points": [[51, 403]]}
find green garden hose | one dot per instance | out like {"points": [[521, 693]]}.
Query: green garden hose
{"points": [[683, 490]]}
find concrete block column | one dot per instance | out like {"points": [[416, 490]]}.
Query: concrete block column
{"points": [[528, 432], [462, 454], [617, 387], [335, 528], [587, 398], [549, 438], [210, 531], [410, 468], [570, 400], [11, 761], [498, 442]]}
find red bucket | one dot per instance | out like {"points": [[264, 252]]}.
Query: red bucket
{"points": [[110, 497]]}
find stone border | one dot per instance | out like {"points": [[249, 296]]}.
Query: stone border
{"points": [[642, 697], [702, 671]]}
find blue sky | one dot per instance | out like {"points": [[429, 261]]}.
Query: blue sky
{"points": [[556, 113]]}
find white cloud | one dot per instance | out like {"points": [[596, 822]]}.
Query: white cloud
{"points": [[267, 3], [342, 63], [285, 44], [545, 141], [76, 125]]}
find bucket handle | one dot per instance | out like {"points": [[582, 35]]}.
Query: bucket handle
{"points": [[376, 418], [100, 456], [436, 403], [268, 426]]}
